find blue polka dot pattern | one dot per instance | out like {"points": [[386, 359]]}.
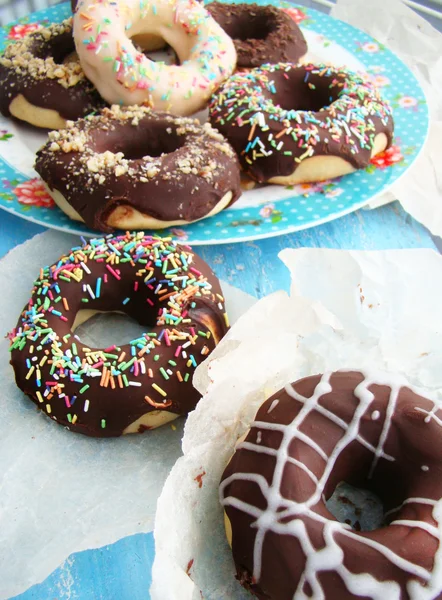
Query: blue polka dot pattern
{"points": [[284, 211]]}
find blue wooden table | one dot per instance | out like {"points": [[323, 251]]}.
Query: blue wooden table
{"points": [[122, 571]]}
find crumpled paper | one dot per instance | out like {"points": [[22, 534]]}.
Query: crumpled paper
{"points": [[419, 45], [346, 310], [62, 492]]}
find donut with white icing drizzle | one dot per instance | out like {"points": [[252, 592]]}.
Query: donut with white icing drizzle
{"points": [[368, 429], [105, 32]]}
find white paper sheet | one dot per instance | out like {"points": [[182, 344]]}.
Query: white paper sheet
{"points": [[347, 310], [62, 492], [419, 45]]}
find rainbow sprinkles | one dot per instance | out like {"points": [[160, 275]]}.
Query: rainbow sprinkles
{"points": [[105, 391], [124, 75], [278, 116]]}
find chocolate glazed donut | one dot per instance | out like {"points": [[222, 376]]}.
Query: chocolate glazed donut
{"points": [[370, 430], [293, 124], [106, 392], [261, 34], [132, 168], [40, 84]]}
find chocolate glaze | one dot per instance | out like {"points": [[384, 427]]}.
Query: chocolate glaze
{"points": [[71, 102], [171, 168], [293, 102], [409, 467], [261, 34], [119, 406]]}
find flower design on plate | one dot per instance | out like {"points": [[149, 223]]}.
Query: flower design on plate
{"points": [[370, 47], [19, 31], [5, 135], [334, 192], [381, 81], [268, 211], [376, 69], [408, 102], [33, 193], [296, 14], [180, 234], [389, 157]]}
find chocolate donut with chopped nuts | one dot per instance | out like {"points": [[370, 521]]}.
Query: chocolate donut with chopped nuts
{"points": [[132, 168], [261, 34], [41, 79]]}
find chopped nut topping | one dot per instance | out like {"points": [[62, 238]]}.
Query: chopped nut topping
{"points": [[21, 57]]}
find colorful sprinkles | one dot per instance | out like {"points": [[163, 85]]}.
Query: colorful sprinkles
{"points": [[123, 74], [64, 377], [248, 111]]}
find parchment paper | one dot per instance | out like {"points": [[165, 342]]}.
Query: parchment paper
{"points": [[62, 492], [419, 45], [346, 310]]}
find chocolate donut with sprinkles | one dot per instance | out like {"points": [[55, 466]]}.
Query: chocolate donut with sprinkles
{"points": [[261, 33], [142, 384], [132, 168], [42, 82], [298, 124], [369, 429]]}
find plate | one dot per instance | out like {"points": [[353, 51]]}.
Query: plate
{"points": [[268, 210]]}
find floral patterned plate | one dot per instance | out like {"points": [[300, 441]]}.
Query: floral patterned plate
{"points": [[264, 211]]}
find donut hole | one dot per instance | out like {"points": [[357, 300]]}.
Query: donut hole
{"points": [[255, 27], [59, 47], [152, 142], [301, 91], [104, 329], [360, 508], [363, 502], [154, 147]]}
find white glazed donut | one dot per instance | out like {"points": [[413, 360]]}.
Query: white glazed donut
{"points": [[103, 33]]}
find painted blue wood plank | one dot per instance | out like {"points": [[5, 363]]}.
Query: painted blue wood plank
{"points": [[121, 571], [252, 266], [14, 231]]}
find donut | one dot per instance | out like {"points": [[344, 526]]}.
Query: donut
{"points": [[103, 33], [261, 33], [42, 83], [298, 124], [132, 168], [108, 392], [371, 430]]}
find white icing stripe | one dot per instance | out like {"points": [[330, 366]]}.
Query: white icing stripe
{"points": [[338, 421], [331, 556], [273, 452], [301, 436], [243, 506], [252, 477], [257, 448], [420, 524], [431, 415], [410, 501], [379, 453]]}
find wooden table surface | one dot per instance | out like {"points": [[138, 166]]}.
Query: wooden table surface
{"points": [[122, 571]]}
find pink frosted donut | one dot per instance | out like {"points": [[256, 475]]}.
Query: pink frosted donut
{"points": [[104, 33]]}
